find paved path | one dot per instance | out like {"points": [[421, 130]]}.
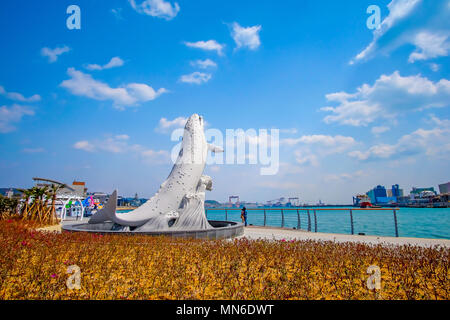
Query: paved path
{"points": [[290, 234]]}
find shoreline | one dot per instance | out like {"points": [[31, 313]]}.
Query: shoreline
{"points": [[350, 206], [126, 208], [271, 233], [274, 233]]}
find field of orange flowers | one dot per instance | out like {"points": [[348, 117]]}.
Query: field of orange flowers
{"points": [[33, 265]]}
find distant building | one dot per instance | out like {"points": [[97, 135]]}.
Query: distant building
{"points": [[403, 200], [418, 196], [293, 202], [377, 192], [444, 188], [10, 192], [386, 200], [212, 204], [396, 191], [417, 192], [135, 202], [99, 197], [361, 198], [249, 204], [77, 188], [130, 202]]}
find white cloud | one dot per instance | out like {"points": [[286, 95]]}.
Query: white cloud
{"points": [[429, 45], [165, 125], [114, 62], [84, 145], [18, 96], [398, 10], [156, 8], [196, 77], [432, 142], [255, 139], [345, 176], [382, 151], [122, 137], [315, 147], [379, 130], [117, 13], [412, 22], [289, 131], [289, 169], [210, 45], [152, 156], [82, 84], [119, 145], [246, 37], [53, 54], [390, 95], [204, 64], [306, 158], [434, 67], [439, 122], [330, 144], [280, 185], [11, 115]]}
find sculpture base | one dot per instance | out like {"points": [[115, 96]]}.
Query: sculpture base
{"points": [[221, 230]]}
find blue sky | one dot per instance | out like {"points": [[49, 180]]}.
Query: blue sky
{"points": [[355, 107]]}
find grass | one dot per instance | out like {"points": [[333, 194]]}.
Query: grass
{"points": [[33, 265]]}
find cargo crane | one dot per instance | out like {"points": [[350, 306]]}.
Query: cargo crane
{"points": [[294, 202], [230, 201], [276, 202]]}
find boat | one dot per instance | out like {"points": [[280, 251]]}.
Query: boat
{"points": [[363, 201]]}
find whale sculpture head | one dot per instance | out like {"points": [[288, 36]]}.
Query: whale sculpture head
{"points": [[194, 147], [194, 122]]}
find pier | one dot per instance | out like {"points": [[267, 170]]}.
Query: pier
{"points": [[311, 214]]}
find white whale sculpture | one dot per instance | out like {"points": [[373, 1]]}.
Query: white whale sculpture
{"points": [[179, 203]]}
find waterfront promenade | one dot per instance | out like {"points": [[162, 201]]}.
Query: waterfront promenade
{"points": [[270, 233]]}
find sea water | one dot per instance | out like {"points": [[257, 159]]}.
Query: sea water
{"points": [[411, 222]]}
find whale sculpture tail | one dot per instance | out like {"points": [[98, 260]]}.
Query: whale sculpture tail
{"points": [[108, 212]]}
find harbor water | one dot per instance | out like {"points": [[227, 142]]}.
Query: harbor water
{"points": [[430, 223], [412, 222]]}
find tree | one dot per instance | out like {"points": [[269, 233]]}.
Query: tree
{"points": [[53, 192]]}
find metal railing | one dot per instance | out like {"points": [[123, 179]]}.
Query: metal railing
{"points": [[315, 213]]}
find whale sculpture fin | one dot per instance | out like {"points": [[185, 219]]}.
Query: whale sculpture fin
{"points": [[162, 221], [192, 214], [214, 148], [108, 212], [206, 181]]}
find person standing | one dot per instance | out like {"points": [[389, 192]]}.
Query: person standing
{"points": [[244, 215]]}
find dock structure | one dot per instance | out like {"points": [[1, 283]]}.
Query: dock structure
{"points": [[283, 234], [312, 215]]}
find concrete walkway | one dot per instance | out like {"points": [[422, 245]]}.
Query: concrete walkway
{"points": [[270, 233], [290, 234]]}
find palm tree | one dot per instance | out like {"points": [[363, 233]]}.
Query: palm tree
{"points": [[41, 208], [27, 193], [53, 192], [37, 194], [34, 191]]}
